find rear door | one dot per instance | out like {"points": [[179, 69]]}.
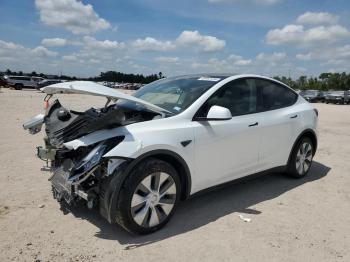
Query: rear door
{"points": [[227, 149], [280, 126]]}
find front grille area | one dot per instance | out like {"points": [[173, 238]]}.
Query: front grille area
{"points": [[62, 188]]}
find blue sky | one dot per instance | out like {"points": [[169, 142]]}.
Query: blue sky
{"points": [[83, 38]]}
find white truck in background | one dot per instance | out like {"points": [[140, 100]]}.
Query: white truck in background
{"points": [[19, 82]]}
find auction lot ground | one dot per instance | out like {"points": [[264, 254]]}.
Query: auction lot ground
{"points": [[292, 220]]}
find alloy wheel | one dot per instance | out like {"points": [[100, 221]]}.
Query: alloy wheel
{"points": [[304, 158], [153, 199]]}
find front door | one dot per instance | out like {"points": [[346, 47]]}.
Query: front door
{"points": [[227, 149]]}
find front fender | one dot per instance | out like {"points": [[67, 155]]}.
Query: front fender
{"points": [[132, 147]]}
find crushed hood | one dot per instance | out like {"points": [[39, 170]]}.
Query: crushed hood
{"points": [[92, 88]]}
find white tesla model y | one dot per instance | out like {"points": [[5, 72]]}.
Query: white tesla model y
{"points": [[136, 157]]}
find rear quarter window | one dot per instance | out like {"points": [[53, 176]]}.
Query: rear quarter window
{"points": [[273, 96]]}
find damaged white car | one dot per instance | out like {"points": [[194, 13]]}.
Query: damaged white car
{"points": [[136, 157]]}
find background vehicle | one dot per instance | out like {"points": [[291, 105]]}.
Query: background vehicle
{"points": [[322, 96], [137, 158], [19, 82], [3, 82], [47, 82], [311, 96], [338, 97]]}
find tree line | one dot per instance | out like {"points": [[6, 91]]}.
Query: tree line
{"points": [[109, 76], [113, 76], [325, 81]]}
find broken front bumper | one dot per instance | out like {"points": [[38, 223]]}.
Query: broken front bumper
{"points": [[45, 153], [62, 188]]}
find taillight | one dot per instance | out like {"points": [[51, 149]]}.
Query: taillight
{"points": [[316, 111]]}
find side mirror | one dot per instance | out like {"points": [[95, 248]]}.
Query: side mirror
{"points": [[219, 113]]}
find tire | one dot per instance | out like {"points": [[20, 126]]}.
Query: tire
{"points": [[18, 86], [143, 207], [301, 158]]}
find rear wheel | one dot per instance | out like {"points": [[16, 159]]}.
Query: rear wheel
{"points": [[148, 197], [301, 158], [18, 86]]}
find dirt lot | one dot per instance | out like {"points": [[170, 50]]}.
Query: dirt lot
{"points": [[292, 220]]}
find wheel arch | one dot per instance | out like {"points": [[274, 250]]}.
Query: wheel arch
{"points": [[176, 161], [306, 133], [109, 202]]}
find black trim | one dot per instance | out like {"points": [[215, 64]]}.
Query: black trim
{"points": [[255, 124], [205, 119], [186, 143], [279, 169]]}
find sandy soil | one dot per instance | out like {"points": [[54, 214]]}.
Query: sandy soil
{"points": [[292, 220]]}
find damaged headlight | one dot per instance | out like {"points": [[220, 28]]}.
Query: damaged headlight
{"points": [[94, 158]]}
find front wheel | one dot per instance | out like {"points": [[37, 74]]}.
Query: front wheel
{"points": [[301, 159], [148, 197]]}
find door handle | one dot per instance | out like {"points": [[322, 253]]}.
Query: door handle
{"points": [[255, 124], [294, 116]]}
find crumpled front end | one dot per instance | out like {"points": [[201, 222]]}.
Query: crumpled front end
{"points": [[80, 173], [75, 177]]}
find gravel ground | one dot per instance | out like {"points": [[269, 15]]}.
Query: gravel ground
{"points": [[291, 220]]}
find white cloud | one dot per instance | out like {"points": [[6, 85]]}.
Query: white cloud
{"points": [[72, 15], [204, 43], [274, 57], [93, 43], [12, 50], [243, 62], [234, 63], [8, 47], [239, 60], [303, 57], [18, 57], [321, 18], [321, 38], [166, 59], [191, 39], [70, 58], [301, 37], [330, 54], [94, 51], [43, 52], [54, 42], [152, 44]]}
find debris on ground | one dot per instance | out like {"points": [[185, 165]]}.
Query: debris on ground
{"points": [[245, 219]]}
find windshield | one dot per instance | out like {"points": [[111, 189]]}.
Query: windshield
{"points": [[177, 93]]}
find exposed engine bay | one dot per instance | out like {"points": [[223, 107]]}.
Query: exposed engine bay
{"points": [[63, 125], [80, 174]]}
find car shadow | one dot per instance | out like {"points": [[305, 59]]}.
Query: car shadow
{"points": [[205, 208]]}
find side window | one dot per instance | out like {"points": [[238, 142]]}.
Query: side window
{"points": [[273, 96], [239, 96], [20, 78]]}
